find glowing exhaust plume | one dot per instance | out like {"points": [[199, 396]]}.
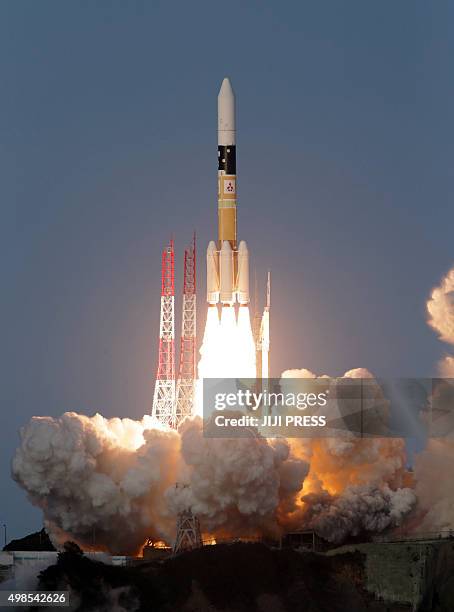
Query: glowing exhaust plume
{"points": [[246, 343], [228, 349], [210, 346]]}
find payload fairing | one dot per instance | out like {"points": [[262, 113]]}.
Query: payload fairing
{"points": [[227, 262]]}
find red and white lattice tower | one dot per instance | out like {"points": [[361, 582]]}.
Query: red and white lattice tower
{"points": [[164, 391], [187, 370]]}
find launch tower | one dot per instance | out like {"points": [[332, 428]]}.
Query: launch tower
{"points": [[187, 370], [164, 391]]}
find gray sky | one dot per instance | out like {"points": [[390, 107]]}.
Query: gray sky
{"points": [[108, 124]]}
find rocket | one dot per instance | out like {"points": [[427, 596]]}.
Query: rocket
{"points": [[227, 261]]}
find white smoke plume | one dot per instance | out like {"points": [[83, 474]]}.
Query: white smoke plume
{"points": [[236, 484], [112, 482], [440, 307], [354, 484], [100, 480], [432, 468], [358, 510], [446, 367], [434, 490]]}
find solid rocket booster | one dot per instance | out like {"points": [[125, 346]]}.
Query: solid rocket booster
{"points": [[212, 274], [227, 264], [242, 286]]}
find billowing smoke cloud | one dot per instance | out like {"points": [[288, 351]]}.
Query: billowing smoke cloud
{"points": [[434, 490], [112, 482], [440, 307], [237, 484], [303, 373], [432, 473], [446, 367], [358, 510], [100, 480], [354, 485]]}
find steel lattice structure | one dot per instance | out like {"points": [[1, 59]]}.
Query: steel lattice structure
{"points": [[187, 371], [164, 391], [188, 532], [188, 535]]}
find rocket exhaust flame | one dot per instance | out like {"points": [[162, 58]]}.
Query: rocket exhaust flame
{"points": [[228, 348]]}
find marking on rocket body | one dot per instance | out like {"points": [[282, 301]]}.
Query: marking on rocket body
{"points": [[228, 186]]}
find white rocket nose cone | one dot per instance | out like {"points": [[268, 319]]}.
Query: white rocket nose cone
{"points": [[242, 248], [226, 248], [226, 90], [226, 114]]}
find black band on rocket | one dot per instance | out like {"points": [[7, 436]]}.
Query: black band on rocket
{"points": [[227, 158]]}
